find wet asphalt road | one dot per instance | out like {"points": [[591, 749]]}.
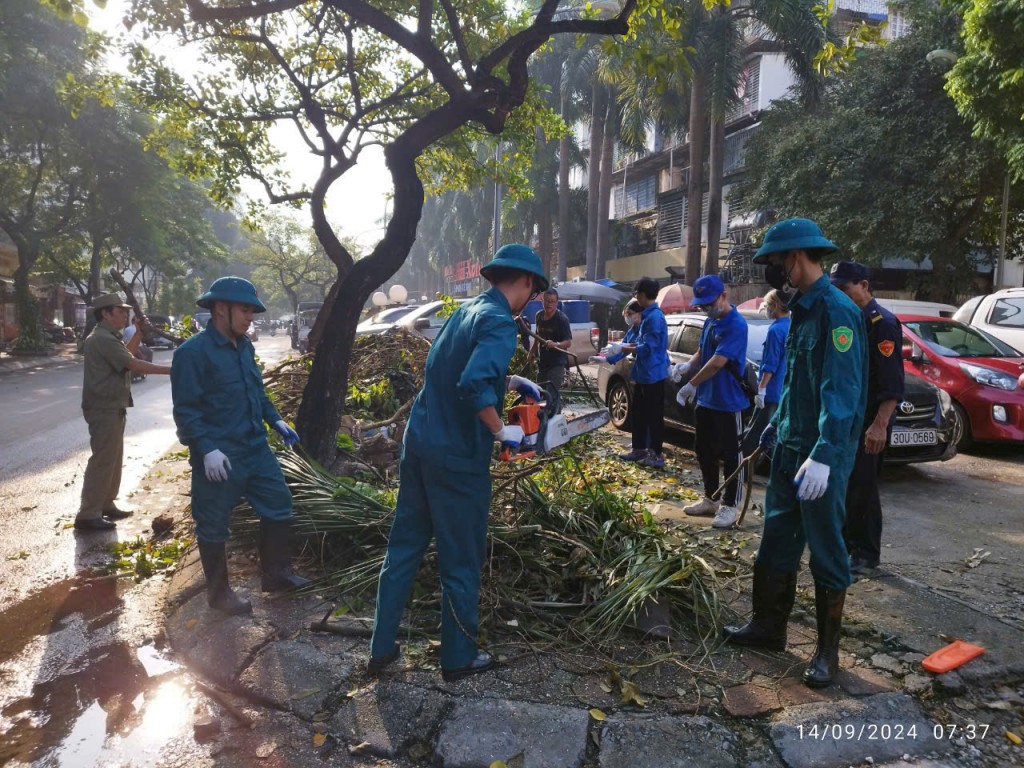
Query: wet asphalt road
{"points": [[81, 681]]}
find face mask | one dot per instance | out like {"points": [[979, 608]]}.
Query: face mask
{"points": [[775, 276]]}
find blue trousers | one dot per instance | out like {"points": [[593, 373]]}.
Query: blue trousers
{"points": [[255, 474], [790, 523], [452, 508]]}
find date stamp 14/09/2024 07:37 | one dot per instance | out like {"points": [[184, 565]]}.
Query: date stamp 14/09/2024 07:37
{"points": [[892, 731]]}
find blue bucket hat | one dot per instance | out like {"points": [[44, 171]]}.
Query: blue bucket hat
{"points": [[235, 289], [793, 235], [706, 290], [521, 257]]}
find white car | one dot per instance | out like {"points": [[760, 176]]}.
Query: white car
{"points": [[999, 314], [909, 307], [425, 320], [383, 320]]}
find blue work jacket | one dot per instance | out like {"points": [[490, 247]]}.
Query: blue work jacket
{"points": [[651, 364], [773, 358], [465, 373], [219, 401], [725, 336], [823, 398], [886, 378]]}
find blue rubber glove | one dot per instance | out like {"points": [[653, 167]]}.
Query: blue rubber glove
{"points": [[289, 435], [769, 438], [525, 387]]}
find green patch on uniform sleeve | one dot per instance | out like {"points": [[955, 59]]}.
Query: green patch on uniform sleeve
{"points": [[842, 337]]}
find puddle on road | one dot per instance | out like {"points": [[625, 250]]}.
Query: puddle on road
{"points": [[70, 697]]}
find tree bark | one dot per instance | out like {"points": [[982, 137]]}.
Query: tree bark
{"points": [[605, 189], [30, 332], [695, 187], [564, 226], [716, 162], [597, 116]]}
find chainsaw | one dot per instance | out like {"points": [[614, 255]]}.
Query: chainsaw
{"points": [[545, 429]]}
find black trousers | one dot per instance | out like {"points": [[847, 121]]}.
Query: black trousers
{"points": [[863, 529], [718, 441], [649, 416]]}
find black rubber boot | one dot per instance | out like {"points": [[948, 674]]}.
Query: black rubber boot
{"points": [[483, 662], [376, 664], [824, 665], [276, 558], [218, 591], [774, 593]]}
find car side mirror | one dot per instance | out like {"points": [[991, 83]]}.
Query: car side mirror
{"points": [[422, 323], [913, 353]]}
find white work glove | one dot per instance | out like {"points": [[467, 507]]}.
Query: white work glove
{"points": [[615, 348], [759, 398], [289, 435], [679, 370], [524, 387], [685, 394], [811, 480], [216, 466], [510, 435]]}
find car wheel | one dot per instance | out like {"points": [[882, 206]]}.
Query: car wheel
{"points": [[619, 403], [962, 431]]}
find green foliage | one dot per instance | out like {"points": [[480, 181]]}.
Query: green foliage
{"points": [[885, 165], [142, 558], [448, 305], [987, 81], [344, 442], [371, 401]]}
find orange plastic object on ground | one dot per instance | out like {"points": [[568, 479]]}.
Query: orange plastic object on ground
{"points": [[954, 655]]}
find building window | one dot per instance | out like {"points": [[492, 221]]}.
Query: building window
{"points": [[640, 196], [747, 92]]}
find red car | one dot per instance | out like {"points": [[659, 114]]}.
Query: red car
{"points": [[977, 370]]}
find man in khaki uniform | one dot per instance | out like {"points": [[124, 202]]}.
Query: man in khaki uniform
{"points": [[106, 396]]}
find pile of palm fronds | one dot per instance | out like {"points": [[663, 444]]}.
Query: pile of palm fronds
{"points": [[569, 559]]}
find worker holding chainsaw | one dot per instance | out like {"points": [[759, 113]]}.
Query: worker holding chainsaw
{"points": [[220, 407], [445, 482], [817, 428], [715, 379]]}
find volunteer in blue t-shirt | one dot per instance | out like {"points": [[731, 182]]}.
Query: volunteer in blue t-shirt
{"points": [[773, 368], [720, 398]]}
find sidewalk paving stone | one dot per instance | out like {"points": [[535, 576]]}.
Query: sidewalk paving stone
{"points": [[864, 682], [478, 732], [389, 717], [850, 731], [749, 700], [667, 742]]}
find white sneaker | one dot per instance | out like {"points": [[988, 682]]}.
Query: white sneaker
{"points": [[726, 517], [703, 508]]}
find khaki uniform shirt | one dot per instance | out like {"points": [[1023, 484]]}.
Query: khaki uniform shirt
{"points": [[107, 384]]}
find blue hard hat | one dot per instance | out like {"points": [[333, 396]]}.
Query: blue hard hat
{"points": [[706, 290], [521, 257], [234, 289], [793, 235], [849, 272]]}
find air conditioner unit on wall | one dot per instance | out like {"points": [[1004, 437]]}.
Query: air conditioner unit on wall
{"points": [[671, 178]]}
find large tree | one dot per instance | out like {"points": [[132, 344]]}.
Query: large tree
{"points": [[987, 81], [415, 77], [886, 165]]}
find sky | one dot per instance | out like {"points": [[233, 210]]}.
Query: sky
{"points": [[356, 203]]}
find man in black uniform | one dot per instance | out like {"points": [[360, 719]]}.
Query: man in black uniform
{"points": [[863, 530], [553, 328]]}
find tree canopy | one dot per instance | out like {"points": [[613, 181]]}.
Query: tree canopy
{"points": [[886, 165]]}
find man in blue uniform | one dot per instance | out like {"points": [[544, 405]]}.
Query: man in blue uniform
{"points": [[885, 390], [220, 407], [649, 371], [445, 486], [718, 417], [817, 428]]}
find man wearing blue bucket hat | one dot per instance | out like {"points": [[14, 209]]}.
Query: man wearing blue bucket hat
{"points": [[220, 407], [445, 482], [817, 428]]}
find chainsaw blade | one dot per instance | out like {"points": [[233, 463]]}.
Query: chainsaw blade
{"points": [[559, 430]]}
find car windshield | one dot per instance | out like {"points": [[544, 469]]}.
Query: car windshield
{"points": [[391, 315], [953, 339]]}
